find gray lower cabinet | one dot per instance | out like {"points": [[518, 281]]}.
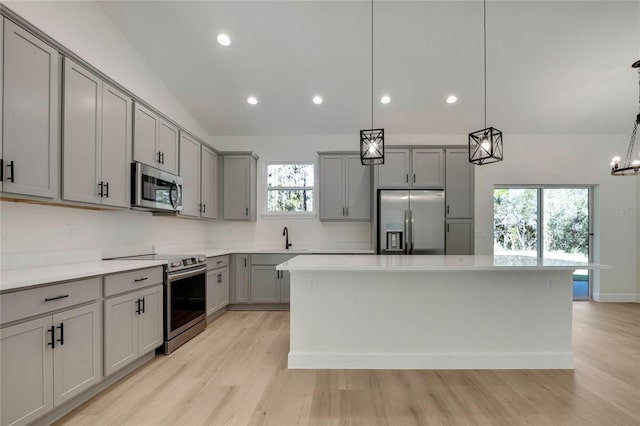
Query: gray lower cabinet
{"points": [[345, 188], [239, 280], [217, 284], [267, 284], [47, 361], [30, 114], [459, 236], [133, 326], [240, 186], [97, 140]]}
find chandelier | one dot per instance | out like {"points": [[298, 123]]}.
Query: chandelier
{"points": [[485, 146], [372, 140], [629, 167]]}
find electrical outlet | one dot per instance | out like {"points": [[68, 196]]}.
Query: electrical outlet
{"points": [[550, 284]]}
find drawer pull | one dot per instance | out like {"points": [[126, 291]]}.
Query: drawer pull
{"points": [[61, 339], [49, 299], [220, 261], [137, 280]]}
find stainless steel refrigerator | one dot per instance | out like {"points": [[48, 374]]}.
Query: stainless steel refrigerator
{"points": [[411, 222]]}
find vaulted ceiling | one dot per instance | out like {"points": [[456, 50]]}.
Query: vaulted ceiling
{"points": [[553, 66]]}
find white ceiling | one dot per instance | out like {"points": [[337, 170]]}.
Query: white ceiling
{"points": [[553, 66]]}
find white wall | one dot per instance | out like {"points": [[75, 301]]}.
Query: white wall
{"points": [[44, 235], [84, 28], [573, 159]]}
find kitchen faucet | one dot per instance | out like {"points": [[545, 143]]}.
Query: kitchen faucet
{"points": [[287, 244]]}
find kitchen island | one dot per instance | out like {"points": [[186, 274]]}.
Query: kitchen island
{"points": [[431, 312]]}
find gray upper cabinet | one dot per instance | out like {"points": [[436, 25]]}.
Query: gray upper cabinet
{"points": [[190, 172], [459, 184], [155, 140], [394, 173], [168, 146], [345, 188], [209, 183], [427, 168], [240, 192], [30, 114], [412, 168], [97, 140], [116, 146]]}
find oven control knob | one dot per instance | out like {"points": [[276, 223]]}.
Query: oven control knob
{"points": [[202, 259], [176, 263]]}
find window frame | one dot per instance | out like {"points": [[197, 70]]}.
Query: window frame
{"points": [[266, 188]]}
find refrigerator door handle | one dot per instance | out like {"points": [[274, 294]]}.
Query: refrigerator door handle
{"points": [[411, 234], [406, 231]]}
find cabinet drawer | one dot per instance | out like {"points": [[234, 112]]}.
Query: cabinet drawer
{"points": [[217, 262], [37, 301], [127, 281], [270, 259]]}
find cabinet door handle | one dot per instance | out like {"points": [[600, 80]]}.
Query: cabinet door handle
{"points": [[143, 306], [1, 169], [61, 328], [447, 208], [159, 160], [52, 342], [245, 262], [106, 190], [101, 193], [11, 167], [246, 211], [219, 278], [447, 227], [49, 299], [137, 280], [204, 208], [406, 178], [343, 211], [414, 178], [138, 307], [162, 153]]}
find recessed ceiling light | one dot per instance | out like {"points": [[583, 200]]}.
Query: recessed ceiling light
{"points": [[224, 39], [452, 99], [252, 100], [317, 100], [385, 99]]}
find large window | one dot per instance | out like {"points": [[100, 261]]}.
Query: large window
{"points": [[546, 222], [290, 188]]}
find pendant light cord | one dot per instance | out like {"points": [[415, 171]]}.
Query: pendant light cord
{"points": [[371, 64], [484, 31], [632, 142]]}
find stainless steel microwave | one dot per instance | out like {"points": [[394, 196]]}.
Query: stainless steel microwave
{"points": [[153, 189]]}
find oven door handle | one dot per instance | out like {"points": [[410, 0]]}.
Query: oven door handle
{"points": [[181, 275]]}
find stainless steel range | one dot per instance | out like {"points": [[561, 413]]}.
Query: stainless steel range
{"points": [[185, 302]]}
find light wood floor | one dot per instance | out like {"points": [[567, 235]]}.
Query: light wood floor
{"points": [[235, 374]]}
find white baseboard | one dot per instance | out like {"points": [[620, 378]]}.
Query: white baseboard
{"points": [[616, 297], [431, 361]]}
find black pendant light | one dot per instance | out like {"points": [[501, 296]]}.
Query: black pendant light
{"points": [[485, 146], [372, 140], [629, 167]]}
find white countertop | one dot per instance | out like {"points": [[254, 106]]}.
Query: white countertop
{"points": [[401, 263], [21, 278]]}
